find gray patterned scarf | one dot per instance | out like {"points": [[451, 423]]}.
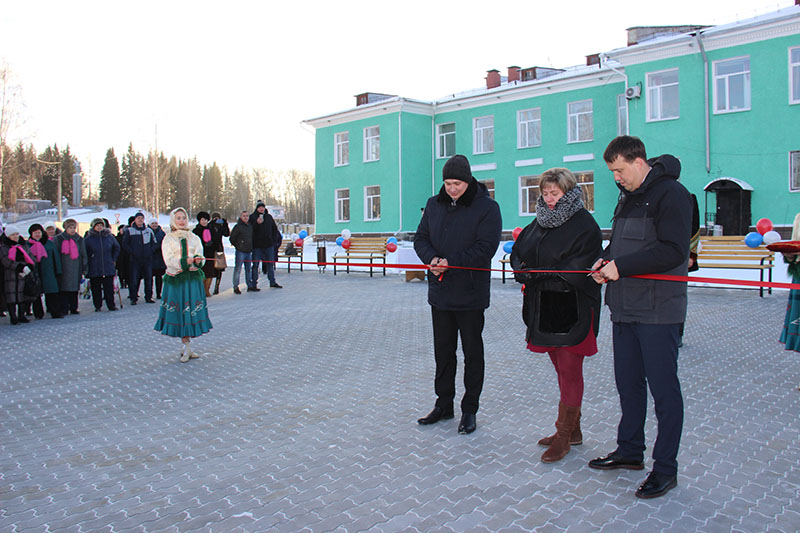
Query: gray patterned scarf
{"points": [[567, 205]]}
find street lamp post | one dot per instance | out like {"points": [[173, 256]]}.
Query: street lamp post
{"points": [[59, 182]]}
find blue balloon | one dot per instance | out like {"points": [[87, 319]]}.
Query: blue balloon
{"points": [[753, 239], [303, 234], [508, 246], [391, 239], [339, 241]]}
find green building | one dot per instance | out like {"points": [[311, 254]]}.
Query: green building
{"points": [[723, 99]]}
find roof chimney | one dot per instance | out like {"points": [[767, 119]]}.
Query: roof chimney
{"points": [[513, 72], [592, 59], [492, 78]]}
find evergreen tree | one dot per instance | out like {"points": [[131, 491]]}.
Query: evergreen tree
{"points": [[212, 182], [67, 170], [109, 181], [129, 178], [48, 176]]}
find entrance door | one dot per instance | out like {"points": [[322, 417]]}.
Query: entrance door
{"points": [[733, 211]]}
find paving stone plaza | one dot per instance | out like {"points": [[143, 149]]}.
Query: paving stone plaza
{"points": [[301, 416]]}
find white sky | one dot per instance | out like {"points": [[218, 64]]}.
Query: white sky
{"points": [[231, 81]]}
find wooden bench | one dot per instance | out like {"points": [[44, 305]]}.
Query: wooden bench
{"points": [[730, 251], [362, 249], [298, 257]]}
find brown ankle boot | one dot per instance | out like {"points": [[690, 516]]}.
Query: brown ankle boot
{"points": [[207, 286], [567, 419], [575, 439]]}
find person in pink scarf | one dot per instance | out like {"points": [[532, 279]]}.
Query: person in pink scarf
{"points": [[48, 267], [38, 253], [17, 265], [74, 263], [203, 230]]}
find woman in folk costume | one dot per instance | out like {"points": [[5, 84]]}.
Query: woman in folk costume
{"points": [[74, 263], [790, 336], [183, 312], [17, 263]]}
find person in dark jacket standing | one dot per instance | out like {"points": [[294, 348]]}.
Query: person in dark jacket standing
{"points": [[159, 267], [17, 264], [219, 229], [102, 250], [73, 265], [650, 235], [203, 230], [264, 230], [49, 270], [140, 243], [561, 310], [123, 262], [460, 227], [39, 254], [242, 240]]}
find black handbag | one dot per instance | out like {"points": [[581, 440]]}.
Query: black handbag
{"points": [[32, 286]]}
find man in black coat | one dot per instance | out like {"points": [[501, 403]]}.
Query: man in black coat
{"points": [[460, 227], [264, 230], [650, 235]]}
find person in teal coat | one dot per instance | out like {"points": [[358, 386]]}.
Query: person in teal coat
{"points": [[49, 272]]}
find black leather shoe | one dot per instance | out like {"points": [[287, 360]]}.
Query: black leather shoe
{"points": [[613, 461], [656, 485], [468, 424], [236, 290], [275, 286], [435, 415], [149, 301]]}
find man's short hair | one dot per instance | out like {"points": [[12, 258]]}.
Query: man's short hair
{"points": [[625, 146]]}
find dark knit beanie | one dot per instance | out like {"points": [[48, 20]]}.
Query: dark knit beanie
{"points": [[203, 214], [34, 227], [457, 168]]}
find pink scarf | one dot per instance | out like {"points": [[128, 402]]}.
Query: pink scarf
{"points": [[12, 254], [68, 246], [37, 249], [206, 235]]}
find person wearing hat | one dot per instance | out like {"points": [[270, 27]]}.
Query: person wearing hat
{"points": [[74, 263], [102, 250], [48, 268], [159, 267], [140, 243], [39, 254], [264, 230], [17, 264], [460, 227], [219, 229], [203, 230]]}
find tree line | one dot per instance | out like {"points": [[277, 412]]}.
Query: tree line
{"points": [[24, 173]]}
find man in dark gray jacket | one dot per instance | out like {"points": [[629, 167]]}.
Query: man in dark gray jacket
{"points": [[460, 227], [650, 235], [242, 240]]}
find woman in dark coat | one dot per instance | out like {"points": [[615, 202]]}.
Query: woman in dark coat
{"points": [[102, 250], [39, 253], [50, 272], [159, 267], [219, 229], [203, 230], [561, 310], [73, 265], [123, 262], [17, 264]]}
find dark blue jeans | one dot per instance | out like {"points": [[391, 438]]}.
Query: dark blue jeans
{"points": [[646, 355], [243, 259], [259, 256], [140, 270]]}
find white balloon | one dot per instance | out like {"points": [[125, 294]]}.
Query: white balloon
{"points": [[346, 234], [295, 236], [771, 236]]}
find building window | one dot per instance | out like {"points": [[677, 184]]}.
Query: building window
{"points": [[372, 202], [489, 187], [794, 75], [372, 143], [341, 152], [794, 171], [622, 115], [483, 136], [529, 128], [579, 122], [446, 140], [342, 205], [662, 95], [586, 183], [528, 194], [732, 85]]}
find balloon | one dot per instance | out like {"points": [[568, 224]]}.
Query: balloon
{"points": [[346, 234], [295, 236], [391, 247], [339, 241], [298, 243], [771, 236], [516, 232], [346, 244], [764, 225], [508, 246], [303, 234], [753, 239], [392, 239]]}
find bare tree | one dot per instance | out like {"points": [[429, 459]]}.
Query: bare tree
{"points": [[10, 112]]}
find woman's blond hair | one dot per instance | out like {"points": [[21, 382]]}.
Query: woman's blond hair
{"points": [[560, 177]]}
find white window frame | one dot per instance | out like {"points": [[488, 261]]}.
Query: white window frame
{"points": [[794, 76], [656, 96], [339, 207], [727, 78], [483, 136], [794, 168], [441, 140], [341, 149], [574, 122], [524, 195], [578, 174], [622, 114], [372, 144], [531, 127], [369, 201]]}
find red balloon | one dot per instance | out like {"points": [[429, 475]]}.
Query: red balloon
{"points": [[391, 247], [346, 244], [299, 243], [764, 225], [516, 232]]}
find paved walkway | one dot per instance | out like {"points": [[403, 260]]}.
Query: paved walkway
{"points": [[301, 416]]}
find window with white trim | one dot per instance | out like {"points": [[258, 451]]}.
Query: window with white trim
{"points": [[580, 127], [342, 205], [446, 140], [483, 135], [586, 183], [662, 95], [794, 75], [372, 202], [341, 149], [732, 85], [489, 187], [528, 194], [529, 128], [372, 143], [794, 171], [622, 114]]}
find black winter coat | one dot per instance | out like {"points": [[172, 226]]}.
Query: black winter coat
{"points": [[466, 233], [264, 233], [559, 308]]}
